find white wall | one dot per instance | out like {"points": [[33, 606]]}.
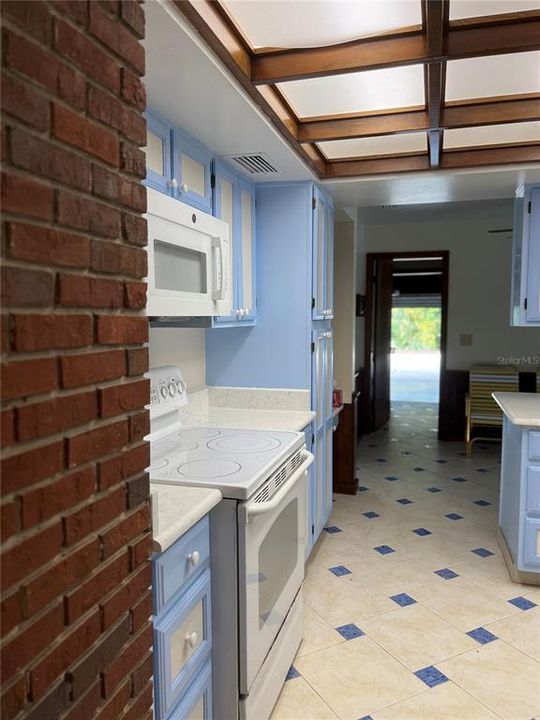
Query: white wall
{"points": [[479, 277], [184, 347], [344, 307]]}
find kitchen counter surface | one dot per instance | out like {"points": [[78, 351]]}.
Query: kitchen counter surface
{"points": [[520, 408], [176, 508], [251, 419]]}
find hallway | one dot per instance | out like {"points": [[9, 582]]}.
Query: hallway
{"points": [[409, 612]]}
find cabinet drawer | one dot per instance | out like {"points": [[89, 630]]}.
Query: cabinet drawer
{"points": [[533, 489], [182, 642], [534, 445], [182, 561], [197, 702], [531, 544]]}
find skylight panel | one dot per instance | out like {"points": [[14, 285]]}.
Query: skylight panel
{"points": [[460, 9], [380, 145], [493, 76], [492, 135]]}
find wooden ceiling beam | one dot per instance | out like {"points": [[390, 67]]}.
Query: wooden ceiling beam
{"points": [[482, 156], [435, 14], [474, 112], [495, 35]]}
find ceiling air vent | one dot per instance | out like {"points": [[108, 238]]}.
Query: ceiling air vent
{"points": [[255, 164]]}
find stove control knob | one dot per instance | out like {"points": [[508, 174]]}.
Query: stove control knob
{"points": [[180, 386], [163, 391], [172, 389], [194, 558], [192, 639]]}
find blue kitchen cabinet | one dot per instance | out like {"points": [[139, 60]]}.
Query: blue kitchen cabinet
{"points": [[526, 258], [277, 351], [234, 202], [177, 165], [158, 154], [323, 256], [182, 627]]}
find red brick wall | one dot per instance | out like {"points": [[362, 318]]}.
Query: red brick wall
{"points": [[75, 604]]}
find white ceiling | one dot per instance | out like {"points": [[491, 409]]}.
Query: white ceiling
{"points": [[492, 134], [301, 23], [356, 92], [477, 8], [381, 145], [493, 75]]}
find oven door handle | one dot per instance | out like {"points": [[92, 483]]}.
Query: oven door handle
{"points": [[254, 509], [218, 293]]}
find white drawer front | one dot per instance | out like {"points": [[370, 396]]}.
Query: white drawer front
{"points": [[534, 445], [187, 638]]}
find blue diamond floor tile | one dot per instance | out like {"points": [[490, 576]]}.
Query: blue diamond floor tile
{"points": [[482, 503], [482, 470], [339, 570], [332, 529], [446, 573], [292, 674], [403, 599], [350, 631], [482, 552], [441, 462], [422, 531], [418, 469], [362, 488], [454, 516], [381, 460], [370, 515], [434, 489], [459, 479], [431, 676], [404, 501], [405, 452], [391, 478], [482, 635], [366, 717], [522, 603], [384, 549]]}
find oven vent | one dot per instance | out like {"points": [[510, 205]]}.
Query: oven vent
{"points": [[281, 476], [255, 164]]}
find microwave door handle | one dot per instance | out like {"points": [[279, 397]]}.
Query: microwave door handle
{"points": [[254, 509], [218, 293]]}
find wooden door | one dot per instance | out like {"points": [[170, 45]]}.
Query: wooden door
{"points": [[380, 309]]}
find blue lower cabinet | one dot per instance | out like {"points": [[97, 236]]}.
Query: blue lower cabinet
{"points": [[531, 544], [197, 702]]}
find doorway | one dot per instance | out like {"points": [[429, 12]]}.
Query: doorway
{"points": [[406, 319]]}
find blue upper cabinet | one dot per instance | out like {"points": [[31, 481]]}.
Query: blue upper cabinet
{"points": [[234, 202], [191, 172], [158, 154], [526, 258], [323, 256]]}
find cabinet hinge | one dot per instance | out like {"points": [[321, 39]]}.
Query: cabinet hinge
{"points": [[314, 203], [312, 440], [312, 347], [525, 304], [313, 529], [529, 207], [312, 303], [212, 180]]}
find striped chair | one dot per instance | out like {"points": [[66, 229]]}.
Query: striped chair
{"points": [[480, 408]]}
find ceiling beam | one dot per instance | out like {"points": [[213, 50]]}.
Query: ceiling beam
{"points": [[435, 14], [473, 112], [495, 35], [482, 156]]}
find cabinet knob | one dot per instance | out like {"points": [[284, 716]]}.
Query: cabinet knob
{"points": [[192, 639], [194, 558], [239, 313], [246, 311], [172, 183], [184, 188]]}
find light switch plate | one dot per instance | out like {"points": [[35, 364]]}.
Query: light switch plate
{"points": [[465, 340]]}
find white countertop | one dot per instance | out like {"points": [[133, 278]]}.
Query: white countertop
{"points": [[520, 408], [176, 508], [251, 419]]}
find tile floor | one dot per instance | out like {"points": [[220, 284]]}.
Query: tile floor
{"points": [[409, 612]]}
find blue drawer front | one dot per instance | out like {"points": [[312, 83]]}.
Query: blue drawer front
{"points": [[531, 544], [533, 489], [184, 560], [534, 445], [191, 614], [200, 691]]}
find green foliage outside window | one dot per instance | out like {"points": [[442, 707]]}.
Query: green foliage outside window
{"points": [[416, 328]]}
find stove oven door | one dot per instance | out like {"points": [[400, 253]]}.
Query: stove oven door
{"points": [[272, 539]]}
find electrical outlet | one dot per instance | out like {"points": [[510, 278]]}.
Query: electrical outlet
{"points": [[465, 340]]}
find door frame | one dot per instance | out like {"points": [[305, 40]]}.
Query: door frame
{"points": [[371, 259]]}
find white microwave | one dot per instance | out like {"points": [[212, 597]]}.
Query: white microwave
{"points": [[189, 260]]}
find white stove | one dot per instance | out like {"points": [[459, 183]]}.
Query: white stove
{"points": [[236, 462], [258, 536]]}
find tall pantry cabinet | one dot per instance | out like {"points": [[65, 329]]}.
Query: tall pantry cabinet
{"points": [[291, 346]]}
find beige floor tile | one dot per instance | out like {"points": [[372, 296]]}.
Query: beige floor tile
{"points": [[416, 636], [298, 701], [318, 634], [444, 702], [463, 604], [343, 600], [500, 677], [521, 630], [357, 677], [393, 573]]}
